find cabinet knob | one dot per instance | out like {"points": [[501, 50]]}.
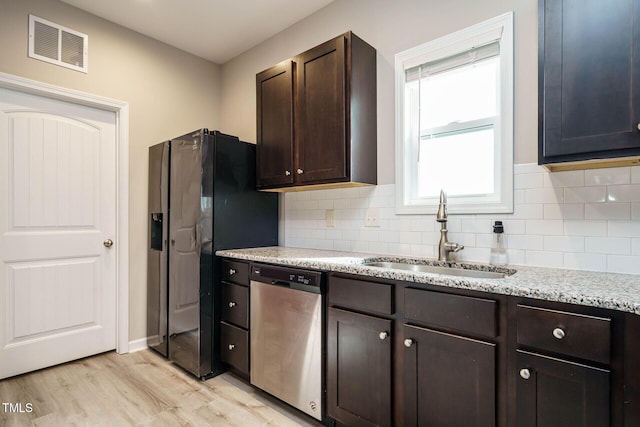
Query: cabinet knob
{"points": [[525, 374], [383, 335], [408, 342], [232, 346], [300, 171], [232, 304], [638, 126], [558, 333], [287, 173], [231, 272]]}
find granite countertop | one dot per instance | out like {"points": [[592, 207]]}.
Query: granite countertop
{"points": [[606, 290]]}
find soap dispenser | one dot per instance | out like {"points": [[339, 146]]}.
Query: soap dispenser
{"points": [[498, 248]]}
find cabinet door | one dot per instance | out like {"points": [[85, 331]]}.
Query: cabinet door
{"points": [[553, 392], [589, 63], [321, 114], [274, 150], [358, 369], [448, 380]]}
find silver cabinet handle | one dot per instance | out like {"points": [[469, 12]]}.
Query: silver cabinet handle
{"points": [[408, 342], [300, 171], [108, 243], [232, 304], [558, 333], [525, 374], [231, 272], [383, 335], [232, 346], [287, 173]]}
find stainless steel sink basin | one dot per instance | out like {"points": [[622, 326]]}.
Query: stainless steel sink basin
{"points": [[451, 271]]}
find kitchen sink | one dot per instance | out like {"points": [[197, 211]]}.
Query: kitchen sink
{"points": [[437, 269]]}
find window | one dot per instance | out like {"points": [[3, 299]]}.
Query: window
{"points": [[454, 121]]}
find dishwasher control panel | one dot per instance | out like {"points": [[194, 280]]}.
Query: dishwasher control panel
{"points": [[284, 275]]}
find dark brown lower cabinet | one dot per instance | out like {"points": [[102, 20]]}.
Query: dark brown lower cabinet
{"points": [[234, 347], [554, 392], [359, 369], [449, 380]]}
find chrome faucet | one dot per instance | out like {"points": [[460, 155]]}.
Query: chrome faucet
{"points": [[444, 246]]}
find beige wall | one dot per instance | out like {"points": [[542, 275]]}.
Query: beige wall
{"points": [[390, 26], [169, 92]]}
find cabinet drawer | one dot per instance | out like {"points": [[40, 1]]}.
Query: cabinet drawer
{"points": [[457, 312], [235, 271], [361, 295], [235, 304], [234, 347], [577, 335]]}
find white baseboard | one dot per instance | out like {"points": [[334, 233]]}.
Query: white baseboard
{"points": [[137, 345]]}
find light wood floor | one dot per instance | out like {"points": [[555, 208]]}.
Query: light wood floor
{"points": [[138, 389]]}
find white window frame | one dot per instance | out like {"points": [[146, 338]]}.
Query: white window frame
{"points": [[501, 29]]}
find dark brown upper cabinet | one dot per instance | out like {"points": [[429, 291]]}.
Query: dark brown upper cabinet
{"points": [[588, 83], [274, 155], [316, 118]]}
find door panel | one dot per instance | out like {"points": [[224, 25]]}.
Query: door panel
{"points": [[358, 368], [184, 252], [561, 393], [322, 117], [274, 88], [451, 380], [57, 207]]}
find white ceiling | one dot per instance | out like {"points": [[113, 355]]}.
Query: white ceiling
{"points": [[216, 30]]}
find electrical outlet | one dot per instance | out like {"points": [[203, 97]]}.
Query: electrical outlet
{"points": [[372, 217], [330, 217]]}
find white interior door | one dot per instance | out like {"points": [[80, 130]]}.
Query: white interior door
{"points": [[57, 214]]}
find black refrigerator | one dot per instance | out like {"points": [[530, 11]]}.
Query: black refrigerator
{"points": [[202, 198]]}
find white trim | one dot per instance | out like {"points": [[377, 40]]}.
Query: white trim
{"points": [[121, 109], [500, 27], [138, 345]]}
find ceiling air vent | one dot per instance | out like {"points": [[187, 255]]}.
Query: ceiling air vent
{"points": [[58, 45]]}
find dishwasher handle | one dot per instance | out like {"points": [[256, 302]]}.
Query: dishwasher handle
{"points": [[295, 278]]}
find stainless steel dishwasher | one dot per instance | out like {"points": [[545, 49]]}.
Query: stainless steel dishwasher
{"points": [[286, 335]]}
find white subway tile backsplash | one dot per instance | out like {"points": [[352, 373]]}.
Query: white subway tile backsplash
{"points": [[528, 211], [564, 243], [564, 179], [544, 227], [624, 228], [529, 180], [583, 261], [544, 195], [609, 176], [607, 211], [608, 245], [624, 193], [544, 259], [585, 228], [513, 226], [586, 220], [564, 211], [525, 242], [623, 264], [585, 194]]}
